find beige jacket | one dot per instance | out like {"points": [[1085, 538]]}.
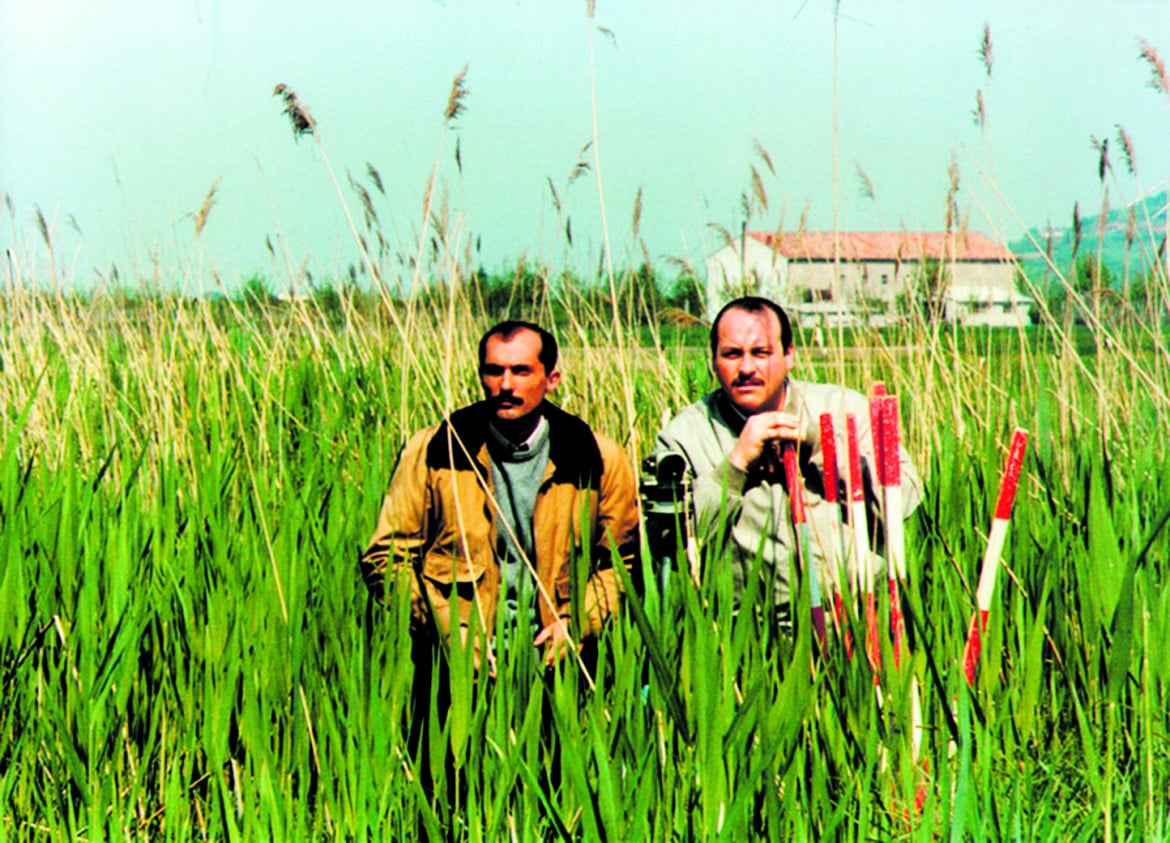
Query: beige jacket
{"points": [[436, 534]]}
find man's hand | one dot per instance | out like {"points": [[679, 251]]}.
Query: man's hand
{"points": [[555, 638], [761, 429]]}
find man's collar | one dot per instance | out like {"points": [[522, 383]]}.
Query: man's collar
{"points": [[533, 442]]}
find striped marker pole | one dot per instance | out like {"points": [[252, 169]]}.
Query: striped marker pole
{"points": [[804, 541], [832, 478], [860, 556], [995, 542], [891, 473]]}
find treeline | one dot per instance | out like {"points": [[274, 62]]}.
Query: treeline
{"points": [[642, 295]]}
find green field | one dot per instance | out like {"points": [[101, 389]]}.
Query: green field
{"points": [[187, 650]]}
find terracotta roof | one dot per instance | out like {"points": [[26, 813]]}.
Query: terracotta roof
{"points": [[886, 245]]}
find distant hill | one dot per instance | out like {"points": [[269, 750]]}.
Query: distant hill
{"points": [[1145, 219]]}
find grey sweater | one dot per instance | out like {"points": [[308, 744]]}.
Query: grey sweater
{"points": [[516, 474]]}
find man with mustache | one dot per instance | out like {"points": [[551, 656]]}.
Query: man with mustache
{"points": [[503, 520], [731, 440]]}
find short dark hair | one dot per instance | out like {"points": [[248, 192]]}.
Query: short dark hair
{"points": [[753, 304], [506, 329]]}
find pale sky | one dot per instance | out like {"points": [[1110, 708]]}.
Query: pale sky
{"points": [[116, 119]]}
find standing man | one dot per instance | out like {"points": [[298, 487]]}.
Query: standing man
{"points": [[510, 509], [730, 440]]}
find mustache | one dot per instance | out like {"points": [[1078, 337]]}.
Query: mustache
{"points": [[745, 380]]}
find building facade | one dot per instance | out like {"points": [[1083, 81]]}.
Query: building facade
{"points": [[872, 276]]}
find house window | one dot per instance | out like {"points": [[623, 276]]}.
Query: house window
{"points": [[885, 279]]}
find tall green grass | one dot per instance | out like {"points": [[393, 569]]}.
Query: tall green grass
{"points": [[188, 651]]}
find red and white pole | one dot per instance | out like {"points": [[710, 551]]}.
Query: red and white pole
{"points": [[995, 543]]}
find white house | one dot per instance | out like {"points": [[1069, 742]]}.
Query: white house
{"points": [[851, 276]]}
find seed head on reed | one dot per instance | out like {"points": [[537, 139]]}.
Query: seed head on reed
{"points": [[1127, 149], [1159, 77], [1101, 147], [1078, 228], [582, 166], [979, 113], [763, 155], [952, 209], [458, 94], [205, 208], [556, 199], [986, 55], [298, 113], [758, 192], [375, 177], [637, 221], [866, 184], [723, 232], [43, 227], [368, 210]]}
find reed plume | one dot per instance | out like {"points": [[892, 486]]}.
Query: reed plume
{"points": [[866, 187], [986, 54], [298, 113], [455, 104], [1159, 77], [205, 208]]}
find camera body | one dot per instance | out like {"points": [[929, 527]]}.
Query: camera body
{"points": [[665, 491]]}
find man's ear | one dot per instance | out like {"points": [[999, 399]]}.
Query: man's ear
{"points": [[552, 381]]}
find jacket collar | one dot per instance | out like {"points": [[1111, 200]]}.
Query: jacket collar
{"points": [[573, 450]]}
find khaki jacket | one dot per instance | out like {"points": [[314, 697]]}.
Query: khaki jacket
{"points": [[436, 534]]}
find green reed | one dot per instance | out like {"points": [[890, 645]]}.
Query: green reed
{"points": [[188, 651]]}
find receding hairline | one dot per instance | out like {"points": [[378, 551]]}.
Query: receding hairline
{"points": [[762, 312], [507, 331]]}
